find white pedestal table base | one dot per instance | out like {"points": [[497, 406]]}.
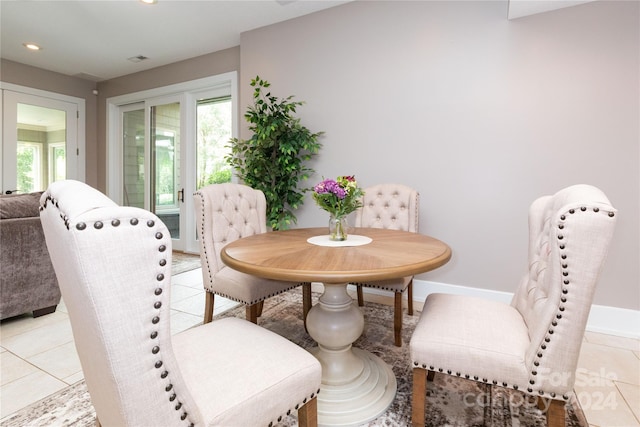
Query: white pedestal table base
{"points": [[357, 386]]}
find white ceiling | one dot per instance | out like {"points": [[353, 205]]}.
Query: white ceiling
{"points": [[93, 39], [521, 8]]}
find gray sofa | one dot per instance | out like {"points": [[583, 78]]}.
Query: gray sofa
{"points": [[27, 280]]}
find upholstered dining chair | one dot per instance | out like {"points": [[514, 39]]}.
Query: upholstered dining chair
{"points": [[224, 213], [531, 345], [114, 268], [392, 206]]}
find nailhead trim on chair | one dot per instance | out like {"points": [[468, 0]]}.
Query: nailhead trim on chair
{"points": [[304, 401], [258, 300], [554, 323], [160, 278], [378, 287], [202, 245]]}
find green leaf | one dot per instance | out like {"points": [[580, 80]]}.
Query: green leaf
{"points": [[273, 159]]}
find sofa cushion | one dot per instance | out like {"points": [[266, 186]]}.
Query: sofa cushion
{"points": [[20, 205]]}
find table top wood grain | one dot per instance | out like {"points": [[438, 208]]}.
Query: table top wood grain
{"points": [[286, 255]]}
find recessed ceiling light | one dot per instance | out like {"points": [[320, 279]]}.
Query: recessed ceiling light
{"points": [[149, 1], [31, 46]]}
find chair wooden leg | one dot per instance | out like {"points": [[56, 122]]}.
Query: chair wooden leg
{"points": [[541, 404], [260, 307], [208, 306], [251, 312], [306, 302], [360, 296], [418, 399], [397, 319], [308, 414], [410, 298], [555, 413]]}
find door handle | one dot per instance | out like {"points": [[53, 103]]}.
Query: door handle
{"points": [[11, 191]]}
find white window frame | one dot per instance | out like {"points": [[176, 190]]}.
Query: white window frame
{"points": [[220, 85], [51, 159]]}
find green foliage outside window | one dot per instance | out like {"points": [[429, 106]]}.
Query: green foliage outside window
{"points": [[218, 177], [165, 174], [25, 161], [213, 133]]}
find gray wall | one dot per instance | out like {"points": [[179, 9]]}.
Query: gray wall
{"points": [[480, 114]]}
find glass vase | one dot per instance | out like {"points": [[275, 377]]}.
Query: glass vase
{"points": [[338, 228]]}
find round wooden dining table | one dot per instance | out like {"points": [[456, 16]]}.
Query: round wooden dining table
{"points": [[357, 386]]}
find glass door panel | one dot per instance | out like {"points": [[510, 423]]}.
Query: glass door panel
{"points": [[40, 131], [213, 130], [166, 186], [133, 156], [151, 161], [36, 141]]}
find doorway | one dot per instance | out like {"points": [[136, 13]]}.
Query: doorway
{"points": [[153, 152], [167, 142], [41, 140]]}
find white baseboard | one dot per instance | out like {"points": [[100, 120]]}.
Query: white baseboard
{"points": [[614, 321], [603, 319]]}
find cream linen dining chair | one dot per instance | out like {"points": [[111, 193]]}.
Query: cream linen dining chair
{"points": [[531, 345], [396, 207], [224, 213], [114, 268]]}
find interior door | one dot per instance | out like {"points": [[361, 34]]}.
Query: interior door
{"points": [[39, 141]]}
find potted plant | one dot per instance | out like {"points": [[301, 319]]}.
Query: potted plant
{"points": [[274, 159]]}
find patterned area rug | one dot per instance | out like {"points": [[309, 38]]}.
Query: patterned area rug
{"points": [[182, 262], [451, 401]]}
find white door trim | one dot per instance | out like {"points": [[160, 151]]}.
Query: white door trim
{"points": [[75, 170], [191, 89]]}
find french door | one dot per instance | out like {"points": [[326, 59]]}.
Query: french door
{"points": [[166, 147], [40, 139], [152, 178]]}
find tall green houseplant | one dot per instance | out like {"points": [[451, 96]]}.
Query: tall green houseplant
{"points": [[274, 159]]}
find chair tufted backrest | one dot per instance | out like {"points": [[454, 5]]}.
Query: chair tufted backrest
{"points": [[569, 236], [390, 206], [113, 264], [224, 213]]}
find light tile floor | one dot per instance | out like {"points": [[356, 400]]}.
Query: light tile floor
{"points": [[38, 358]]}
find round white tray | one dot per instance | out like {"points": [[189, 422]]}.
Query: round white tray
{"points": [[352, 240]]}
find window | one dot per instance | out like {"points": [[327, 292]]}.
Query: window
{"points": [[57, 161], [29, 165], [213, 128], [166, 171]]}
